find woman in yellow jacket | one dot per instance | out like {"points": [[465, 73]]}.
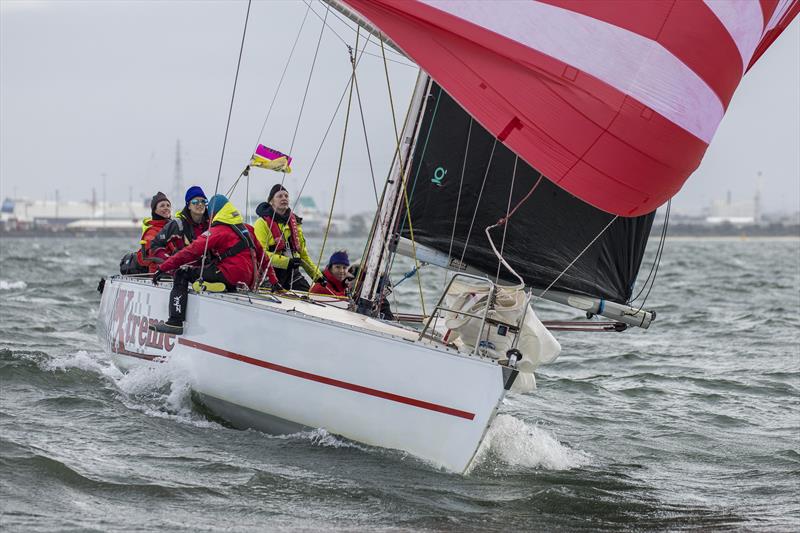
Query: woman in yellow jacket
{"points": [[280, 233]]}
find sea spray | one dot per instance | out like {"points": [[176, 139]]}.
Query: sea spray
{"points": [[321, 437], [519, 444], [160, 390]]}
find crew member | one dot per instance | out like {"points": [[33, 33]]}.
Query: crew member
{"points": [[160, 211], [280, 233], [335, 276], [233, 257], [188, 224]]}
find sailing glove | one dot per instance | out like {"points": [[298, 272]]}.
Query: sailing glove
{"points": [[294, 262], [157, 277]]}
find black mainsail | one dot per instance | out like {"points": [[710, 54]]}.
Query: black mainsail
{"points": [[460, 182]]}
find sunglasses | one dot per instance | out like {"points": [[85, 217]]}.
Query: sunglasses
{"points": [[199, 201]]}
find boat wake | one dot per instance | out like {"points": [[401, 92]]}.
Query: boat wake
{"points": [[516, 443], [160, 391]]}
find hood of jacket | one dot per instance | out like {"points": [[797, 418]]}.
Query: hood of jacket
{"points": [[228, 215], [148, 222]]}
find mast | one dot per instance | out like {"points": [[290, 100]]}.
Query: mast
{"points": [[386, 218]]}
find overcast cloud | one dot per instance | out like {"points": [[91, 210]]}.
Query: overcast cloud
{"points": [[88, 88]]}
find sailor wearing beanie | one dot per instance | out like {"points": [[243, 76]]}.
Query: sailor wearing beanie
{"points": [[280, 233]]}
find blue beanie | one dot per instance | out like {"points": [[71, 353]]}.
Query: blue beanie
{"points": [[216, 203], [339, 258], [193, 192]]}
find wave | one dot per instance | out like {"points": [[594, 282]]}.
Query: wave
{"points": [[12, 285], [160, 390], [320, 437], [517, 443]]}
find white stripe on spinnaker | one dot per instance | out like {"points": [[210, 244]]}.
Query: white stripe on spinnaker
{"points": [[632, 64], [744, 21]]}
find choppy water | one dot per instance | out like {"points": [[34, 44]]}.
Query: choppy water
{"points": [[694, 424]]}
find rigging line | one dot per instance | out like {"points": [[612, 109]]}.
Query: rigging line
{"points": [[327, 131], [500, 257], [424, 145], [349, 25], [272, 103], [390, 264], [227, 127], [283, 75], [376, 221], [505, 222], [341, 152], [478, 203], [366, 138], [404, 182], [659, 251], [395, 156], [247, 200], [541, 295], [458, 200], [519, 204], [308, 85], [344, 42]]}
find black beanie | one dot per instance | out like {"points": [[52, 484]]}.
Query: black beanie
{"points": [[159, 197], [274, 190]]}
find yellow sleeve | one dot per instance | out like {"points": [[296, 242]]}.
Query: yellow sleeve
{"points": [[308, 264], [264, 236]]}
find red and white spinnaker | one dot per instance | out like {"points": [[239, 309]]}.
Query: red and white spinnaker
{"points": [[616, 101]]}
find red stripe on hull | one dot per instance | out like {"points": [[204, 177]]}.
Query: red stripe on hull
{"points": [[328, 381]]}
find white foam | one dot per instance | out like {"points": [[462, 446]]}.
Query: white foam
{"points": [[82, 360], [160, 390], [12, 285], [519, 444], [320, 437]]}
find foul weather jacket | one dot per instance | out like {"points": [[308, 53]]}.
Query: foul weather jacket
{"points": [[150, 228], [177, 234], [267, 240], [222, 237], [333, 286]]}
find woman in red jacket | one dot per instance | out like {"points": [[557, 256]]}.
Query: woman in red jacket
{"points": [[160, 211], [335, 275], [233, 257]]}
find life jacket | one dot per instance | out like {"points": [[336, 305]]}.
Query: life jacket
{"points": [[333, 286], [277, 234], [150, 228], [245, 243]]}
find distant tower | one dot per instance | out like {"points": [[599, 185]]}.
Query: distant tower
{"points": [[177, 192], [757, 198]]}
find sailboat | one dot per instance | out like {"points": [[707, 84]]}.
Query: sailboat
{"points": [[540, 139]]}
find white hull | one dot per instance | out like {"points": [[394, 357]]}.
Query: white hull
{"points": [[284, 365]]}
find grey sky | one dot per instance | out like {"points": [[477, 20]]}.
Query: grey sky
{"points": [[94, 87]]}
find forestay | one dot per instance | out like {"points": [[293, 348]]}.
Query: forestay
{"points": [[615, 101]]}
